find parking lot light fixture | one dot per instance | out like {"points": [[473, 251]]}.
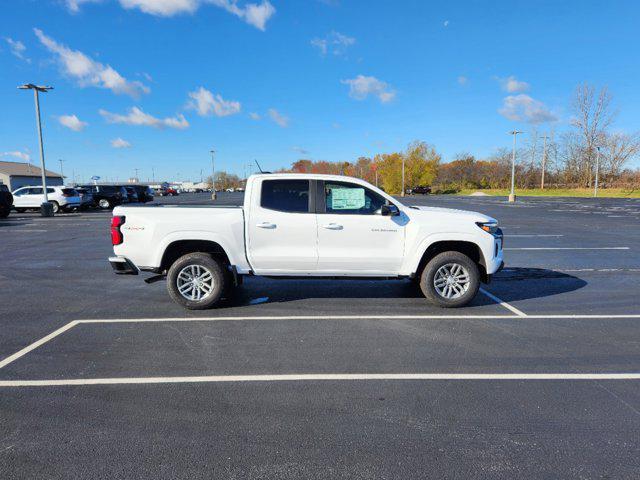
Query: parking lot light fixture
{"points": [[512, 195], [46, 209]]}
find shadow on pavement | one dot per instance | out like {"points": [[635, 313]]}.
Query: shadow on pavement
{"points": [[528, 283]]}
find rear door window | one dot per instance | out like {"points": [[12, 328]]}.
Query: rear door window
{"points": [[285, 195]]}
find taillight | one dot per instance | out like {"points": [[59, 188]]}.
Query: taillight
{"points": [[116, 234]]}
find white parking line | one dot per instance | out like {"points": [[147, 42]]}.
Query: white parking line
{"points": [[36, 344], [567, 248], [533, 235], [314, 377], [503, 303], [519, 316]]}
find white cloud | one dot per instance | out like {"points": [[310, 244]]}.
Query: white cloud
{"points": [[21, 155], [88, 72], [513, 85], [72, 122], [462, 80], [446, 23], [255, 116], [120, 143], [17, 49], [137, 117], [252, 13], [335, 42], [206, 103], [300, 150], [523, 108], [74, 5], [361, 87], [278, 118]]}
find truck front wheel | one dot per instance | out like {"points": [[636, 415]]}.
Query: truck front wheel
{"points": [[196, 281], [450, 279]]}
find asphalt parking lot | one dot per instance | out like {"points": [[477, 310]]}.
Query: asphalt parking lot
{"points": [[105, 377]]}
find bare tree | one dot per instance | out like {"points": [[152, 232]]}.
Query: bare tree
{"points": [[592, 117], [619, 149]]}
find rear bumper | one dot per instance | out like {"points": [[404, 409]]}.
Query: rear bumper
{"points": [[123, 266]]}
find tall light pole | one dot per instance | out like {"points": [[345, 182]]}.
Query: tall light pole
{"points": [[136, 177], [544, 161], [402, 194], [213, 175], [61, 171], [46, 209], [512, 195], [595, 188]]}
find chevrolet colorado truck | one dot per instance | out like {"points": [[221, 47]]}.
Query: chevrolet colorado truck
{"points": [[305, 225]]}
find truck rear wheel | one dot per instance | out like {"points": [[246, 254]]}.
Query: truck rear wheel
{"points": [[196, 281], [450, 279]]}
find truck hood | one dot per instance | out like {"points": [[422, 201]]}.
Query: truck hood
{"points": [[454, 214]]}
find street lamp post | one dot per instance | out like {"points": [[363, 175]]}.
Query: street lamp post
{"points": [[512, 195], [402, 194], [595, 187], [61, 171], [46, 209], [213, 175]]}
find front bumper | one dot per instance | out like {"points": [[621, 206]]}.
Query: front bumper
{"points": [[123, 266]]}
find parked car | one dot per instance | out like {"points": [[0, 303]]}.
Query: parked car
{"points": [[106, 196], [62, 198], [145, 193], [86, 197], [420, 190], [132, 195], [305, 225], [167, 192], [6, 201]]}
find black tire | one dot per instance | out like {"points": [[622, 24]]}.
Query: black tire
{"points": [[56, 207], [441, 260], [4, 212], [220, 280]]}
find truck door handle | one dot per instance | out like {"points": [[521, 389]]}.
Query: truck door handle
{"points": [[266, 225], [333, 226]]}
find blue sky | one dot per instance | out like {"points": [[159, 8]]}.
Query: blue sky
{"points": [[158, 83]]}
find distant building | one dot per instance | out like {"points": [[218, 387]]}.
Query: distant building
{"points": [[19, 174]]}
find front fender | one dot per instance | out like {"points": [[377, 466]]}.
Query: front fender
{"points": [[413, 258]]}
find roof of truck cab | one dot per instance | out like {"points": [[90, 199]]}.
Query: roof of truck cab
{"points": [[310, 176]]}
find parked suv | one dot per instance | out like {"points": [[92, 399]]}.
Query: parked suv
{"points": [[145, 193], [107, 196], [419, 190], [6, 201], [61, 197], [132, 194], [86, 197]]}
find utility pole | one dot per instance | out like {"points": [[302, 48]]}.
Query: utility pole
{"points": [[213, 175], [595, 188], [544, 161], [61, 172], [46, 209], [402, 194], [153, 174], [136, 177], [200, 175], [512, 195]]}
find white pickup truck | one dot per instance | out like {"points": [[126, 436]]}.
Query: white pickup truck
{"points": [[305, 225]]}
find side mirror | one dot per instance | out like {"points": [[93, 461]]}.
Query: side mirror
{"points": [[389, 211]]}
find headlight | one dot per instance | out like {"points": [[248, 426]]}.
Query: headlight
{"points": [[489, 227]]}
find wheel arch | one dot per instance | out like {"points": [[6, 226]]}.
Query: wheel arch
{"points": [[466, 247], [178, 248]]}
